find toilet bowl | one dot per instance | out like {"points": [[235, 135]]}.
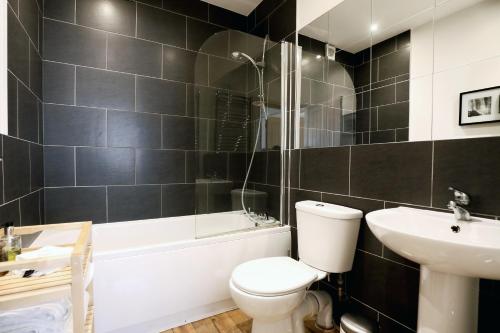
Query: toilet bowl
{"points": [[273, 291]]}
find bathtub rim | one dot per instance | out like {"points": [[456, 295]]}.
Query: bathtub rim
{"points": [[187, 243]]}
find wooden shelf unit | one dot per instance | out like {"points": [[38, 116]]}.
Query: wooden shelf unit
{"points": [[17, 292]]}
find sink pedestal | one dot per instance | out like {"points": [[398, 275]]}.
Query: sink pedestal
{"points": [[447, 303]]}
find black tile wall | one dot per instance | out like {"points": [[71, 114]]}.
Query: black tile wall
{"points": [[178, 199], [161, 26], [160, 166], [184, 65], [21, 168], [273, 17], [135, 56], [10, 212], [368, 88], [74, 126], [16, 168], [134, 129], [59, 163], [73, 44], [74, 204], [18, 48], [194, 8], [99, 88], [128, 203], [58, 83], [118, 77], [12, 104], [112, 15], [389, 175], [325, 169], [280, 24], [36, 75], [473, 163], [27, 114], [30, 209], [178, 133], [160, 96], [36, 167], [375, 169], [198, 32], [104, 166], [386, 286], [62, 10], [227, 18]]}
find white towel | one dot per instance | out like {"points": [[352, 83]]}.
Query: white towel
{"points": [[44, 318], [44, 252]]}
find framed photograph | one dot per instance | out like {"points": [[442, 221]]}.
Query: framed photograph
{"points": [[480, 106]]}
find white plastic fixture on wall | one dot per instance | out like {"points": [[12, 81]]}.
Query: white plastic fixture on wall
{"points": [[3, 67]]}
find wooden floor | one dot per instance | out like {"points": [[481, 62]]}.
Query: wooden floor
{"points": [[230, 322]]}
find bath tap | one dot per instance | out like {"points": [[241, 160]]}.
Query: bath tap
{"points": [[461, 199]]}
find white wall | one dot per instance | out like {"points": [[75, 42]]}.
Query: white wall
{"points": [[3, 67], [309, 10], [466, 57]]}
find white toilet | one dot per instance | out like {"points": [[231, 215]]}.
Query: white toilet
{"points": [[273, 291]]}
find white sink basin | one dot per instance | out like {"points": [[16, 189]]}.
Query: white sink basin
{"points": [[453, 255], [427, 238]]}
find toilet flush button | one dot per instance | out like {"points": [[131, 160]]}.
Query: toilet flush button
{"points": [[320, 205]]}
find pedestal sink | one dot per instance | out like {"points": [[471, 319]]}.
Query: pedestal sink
{"points": [[453, 255]]}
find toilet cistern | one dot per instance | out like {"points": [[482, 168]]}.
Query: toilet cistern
{"points": [[274, 291]]}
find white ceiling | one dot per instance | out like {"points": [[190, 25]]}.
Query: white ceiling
{"points": [[243, 7], [347, 26]]}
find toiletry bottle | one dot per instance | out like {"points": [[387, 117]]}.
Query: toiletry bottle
{"points": [[11, 244]]}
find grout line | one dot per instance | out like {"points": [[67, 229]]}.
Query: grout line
{"points": [[20, 212], [17, 108], [106, 141], [107, 205], [30, 41], [135, 166], [3, 171], [24, 84], [432, 175], [393, 261], [162, 60], [30, 164], [139, 75], [74, 164], [74, 88], [143, 39], [350, 162], [135, 93], [107, 49]]}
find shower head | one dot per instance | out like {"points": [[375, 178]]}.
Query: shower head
{"points": [[259, 66], [241, 55]]}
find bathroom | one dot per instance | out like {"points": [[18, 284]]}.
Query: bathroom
{"points": [[187, 131]]}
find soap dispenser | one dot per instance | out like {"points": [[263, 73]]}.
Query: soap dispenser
{"points": [[10, 244]]}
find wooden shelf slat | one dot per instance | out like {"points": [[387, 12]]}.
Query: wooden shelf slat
{"points": [[19, 292]]}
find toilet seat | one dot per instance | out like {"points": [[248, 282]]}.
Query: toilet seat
{"points": [[274, 276]]}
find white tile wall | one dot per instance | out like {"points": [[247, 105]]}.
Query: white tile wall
{"points": [[464, 51]]}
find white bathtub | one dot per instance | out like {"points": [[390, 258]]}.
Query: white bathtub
{"points": [[152, 275]]}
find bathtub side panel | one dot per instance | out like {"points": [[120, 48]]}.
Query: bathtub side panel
{"points": [[157, 291], [125, 235]]}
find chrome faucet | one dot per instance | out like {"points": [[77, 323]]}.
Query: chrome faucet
{"points": [[461, 199]]}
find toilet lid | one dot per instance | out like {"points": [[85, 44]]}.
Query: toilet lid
{"points": [[273, 276]]}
